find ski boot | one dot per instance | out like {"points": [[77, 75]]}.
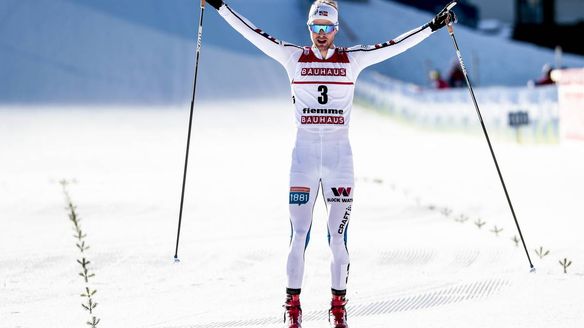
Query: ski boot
{"points": [[293, 312], [338, 313]]}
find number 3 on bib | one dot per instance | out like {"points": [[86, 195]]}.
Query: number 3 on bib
{"points": [[323, 99]]}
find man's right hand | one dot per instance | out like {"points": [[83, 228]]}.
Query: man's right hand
{"points": [[215, 3]]}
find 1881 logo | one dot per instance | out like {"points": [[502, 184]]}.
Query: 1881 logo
{"points": [[299, 195]]}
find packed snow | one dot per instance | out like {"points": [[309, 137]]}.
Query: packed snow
{"points": [[416, 262]]}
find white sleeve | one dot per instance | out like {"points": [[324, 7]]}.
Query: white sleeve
{"points": [[279, 50], [365, 56]]}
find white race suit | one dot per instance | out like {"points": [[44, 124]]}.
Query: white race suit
{"points": [[322, 90]]}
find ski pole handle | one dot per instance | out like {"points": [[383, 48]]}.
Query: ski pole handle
{"points": [[449, 25], [448, 22], [203, 2]]}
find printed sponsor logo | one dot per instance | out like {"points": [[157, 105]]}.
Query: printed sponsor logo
{"points": [[322, 120], [342, 195], [200, 40], [345, 220], [323, 13], [346, 192], [299, 195], [461, 62], [322, 71], [322, 111], [347, 279]]}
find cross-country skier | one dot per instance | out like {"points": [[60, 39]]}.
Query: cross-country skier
{"points": [[322, 78]]}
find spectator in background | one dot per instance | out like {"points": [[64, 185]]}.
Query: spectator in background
{"points": [[546, 77], [456, 77], [437, 81]]}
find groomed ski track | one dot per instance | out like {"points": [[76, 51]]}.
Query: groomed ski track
{"points": [[418, 259]]}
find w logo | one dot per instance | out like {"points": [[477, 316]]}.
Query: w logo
{"points": [[342, 191]]}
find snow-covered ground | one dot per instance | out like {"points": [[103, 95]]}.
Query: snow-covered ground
{"points": [[412, 265]]}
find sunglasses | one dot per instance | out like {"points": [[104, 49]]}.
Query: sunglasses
{"points": [[316, 28]]}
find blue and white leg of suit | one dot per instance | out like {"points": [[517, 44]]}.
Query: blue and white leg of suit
{"points": [[320, 160]]}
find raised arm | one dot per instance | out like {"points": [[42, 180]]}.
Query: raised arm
{"points": [[279, 50], [365, 56]]}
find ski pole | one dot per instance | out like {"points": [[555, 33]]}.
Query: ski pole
{"points": [[463, 67], [182, 196]]}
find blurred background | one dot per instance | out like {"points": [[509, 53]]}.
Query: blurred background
{"points": [[110, 52], [140, 51]]}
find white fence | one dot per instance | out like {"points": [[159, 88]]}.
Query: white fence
{"points": [[453, 108]]}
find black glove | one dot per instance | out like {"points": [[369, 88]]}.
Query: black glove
{"points": [[215, 3], [445, 16]]}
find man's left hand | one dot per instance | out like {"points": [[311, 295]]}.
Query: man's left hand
{"points": [[445, 16]]}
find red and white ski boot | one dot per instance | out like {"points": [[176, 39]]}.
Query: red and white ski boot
{"points": [[338, 313], [293, 313]]}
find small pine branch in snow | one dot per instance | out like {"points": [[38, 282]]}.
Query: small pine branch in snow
{"points": [[541, 253], [88, 292], [82, 247], [565, 263], [480, 223], [461, 218], [516, 241], [89, 304], [93, 323], [496, 230], [79, 235], [446, 211], [85, 270]]}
